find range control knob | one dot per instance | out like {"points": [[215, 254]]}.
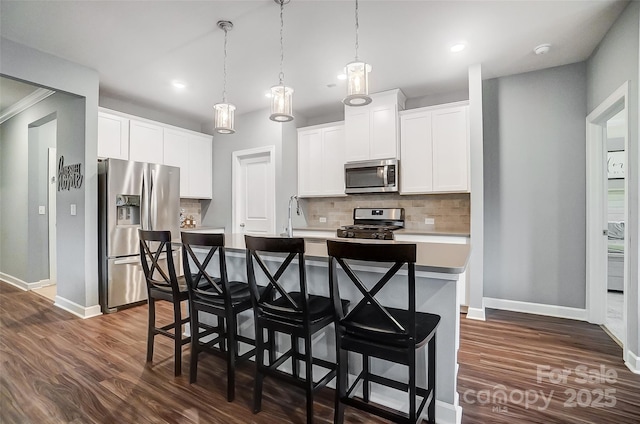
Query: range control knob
{"points": [[350, 234]]}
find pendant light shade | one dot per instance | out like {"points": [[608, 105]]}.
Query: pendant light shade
{"points": [[281, 103], [281, 95], [224, 118], [357, 77], [357, 84], [224, 113]]}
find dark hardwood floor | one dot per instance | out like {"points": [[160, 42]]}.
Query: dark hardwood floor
{"points": [[56, 368]]}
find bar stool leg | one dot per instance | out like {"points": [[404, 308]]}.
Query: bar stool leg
{"points": [[257, 382], [341, 383], [231, 356], [431, 378], [412, 386], [151, 329], [309, 376], [366, 386], [177, 341], [195, 344], [294, 356]]}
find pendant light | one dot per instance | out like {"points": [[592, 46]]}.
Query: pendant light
{"points": [[224, 113], [357, 78], [281, 95]]}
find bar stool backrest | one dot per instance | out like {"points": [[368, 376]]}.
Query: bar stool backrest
{"points": [[369, 317], [275, 299], [202, 285], [155, 246]]}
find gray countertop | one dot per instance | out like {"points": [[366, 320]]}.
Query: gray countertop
{"points": [[443, 258], [425, 232]]}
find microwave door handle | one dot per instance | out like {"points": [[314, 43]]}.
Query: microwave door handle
{"points": [[385, 177]]}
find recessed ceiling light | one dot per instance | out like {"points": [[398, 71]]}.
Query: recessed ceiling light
{"points": [[457, 47], [342, 76], [178, 84]]}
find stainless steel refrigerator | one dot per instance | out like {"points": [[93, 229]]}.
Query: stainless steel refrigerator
{"points": [[132, 195]]}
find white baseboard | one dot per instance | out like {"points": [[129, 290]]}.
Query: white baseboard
{"points": [[536, 308], [632, 362], [16, 282], [77, 310], [476, 313]]}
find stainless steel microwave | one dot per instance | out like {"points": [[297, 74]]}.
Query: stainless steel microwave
{"points": [[372, 176]]}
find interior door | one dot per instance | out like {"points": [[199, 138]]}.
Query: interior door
{"points": [[254, 193]]}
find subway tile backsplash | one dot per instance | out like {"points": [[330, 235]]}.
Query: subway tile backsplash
{"points": [[193, 209], [449, 211]]}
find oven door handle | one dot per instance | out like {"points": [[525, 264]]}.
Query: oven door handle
{"points": [[385, 178]]}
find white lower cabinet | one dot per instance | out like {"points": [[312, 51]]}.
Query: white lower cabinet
{"points": [[321, 153], [434, 150], [463, 283]]}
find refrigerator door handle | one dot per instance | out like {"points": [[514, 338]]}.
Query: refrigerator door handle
{"points": [[132, 260], [144, 204], [153, 204]]}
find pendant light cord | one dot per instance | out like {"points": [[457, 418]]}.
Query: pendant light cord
{"points": [[281, 42], [357, 26], [224, 86]]}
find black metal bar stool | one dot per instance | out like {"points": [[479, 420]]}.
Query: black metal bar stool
{"points": [[163, 284], [374, 330], [217, 296], [295, 313]]}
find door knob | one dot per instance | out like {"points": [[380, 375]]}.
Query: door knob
{"points": [[242, 225]]}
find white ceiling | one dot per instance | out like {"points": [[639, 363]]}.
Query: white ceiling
{"points": [[12, 91], [139, 47]]}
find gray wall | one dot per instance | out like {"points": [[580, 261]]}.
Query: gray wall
{"points": [[148, 112], [24, 246], [614, 62], [76, 235], [534, 182], [252, 130]]}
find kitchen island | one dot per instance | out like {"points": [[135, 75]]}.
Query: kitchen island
{"points": [[438, 267]]}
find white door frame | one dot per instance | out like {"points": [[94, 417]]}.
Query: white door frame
{"points": [[51, 204], [596, 260], [237, 157]]}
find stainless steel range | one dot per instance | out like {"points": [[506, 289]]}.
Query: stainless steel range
{"points": [[371, 223]]}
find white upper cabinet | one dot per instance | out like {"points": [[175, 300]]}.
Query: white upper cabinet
{"points": [[176, 153], [113, 136], [200, 167], [145, 142], [123, 136], [450, 130], [321, 151], [435, 150], [416, 153], [372, 131], [192, 153]]}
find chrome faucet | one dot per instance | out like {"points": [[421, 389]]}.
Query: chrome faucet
{"points": [[289, 226]]}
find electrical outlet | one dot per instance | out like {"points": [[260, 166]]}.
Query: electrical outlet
{"points": [[41, 210], [323, 219], [429, 221]]}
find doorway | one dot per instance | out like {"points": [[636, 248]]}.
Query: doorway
{"points": [[607, 214], [42, 182], [254, 191]]}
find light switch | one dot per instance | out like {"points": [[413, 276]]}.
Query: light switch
{"points": [[73, 209], [42, 210], [430, 221]]}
